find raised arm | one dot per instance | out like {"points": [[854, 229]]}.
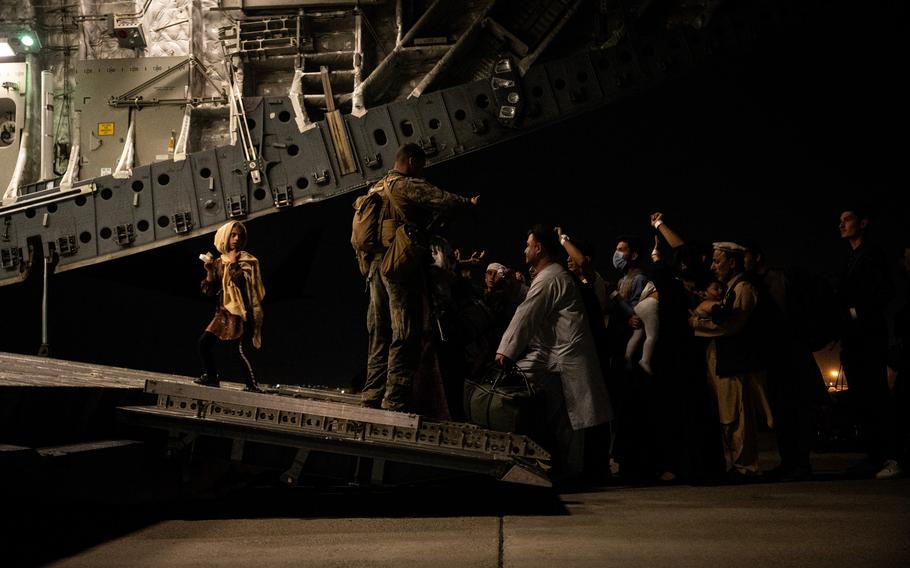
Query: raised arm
{"points": [[575, 254], [669, 235]]}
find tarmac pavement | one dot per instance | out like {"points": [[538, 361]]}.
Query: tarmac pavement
{"points": [[831, 521]]}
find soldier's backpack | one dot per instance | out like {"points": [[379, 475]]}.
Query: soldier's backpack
{"points": [[366, 227]]}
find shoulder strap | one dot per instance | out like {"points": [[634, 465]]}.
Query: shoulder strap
{"points": [[381, 186], [393, 202]]}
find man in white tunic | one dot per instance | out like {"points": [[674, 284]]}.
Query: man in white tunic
{"points": [[549, 338]]}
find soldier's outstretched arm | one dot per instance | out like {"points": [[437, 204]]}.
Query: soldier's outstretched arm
{"points": [[424, 193]]}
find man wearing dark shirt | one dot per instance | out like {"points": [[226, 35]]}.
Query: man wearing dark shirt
{"points": [[863, 293]]}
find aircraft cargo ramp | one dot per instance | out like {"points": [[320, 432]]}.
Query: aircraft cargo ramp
{"points": [[319, 433], [57, 410]]}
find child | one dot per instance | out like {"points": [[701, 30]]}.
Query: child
{"points": [[712, 296], [235, 280], [646, 310]]}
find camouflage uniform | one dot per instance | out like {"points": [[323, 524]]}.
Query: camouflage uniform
{"points": [[395, 314]]}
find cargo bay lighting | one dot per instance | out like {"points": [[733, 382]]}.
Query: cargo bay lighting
{"points": [[21, 43]]}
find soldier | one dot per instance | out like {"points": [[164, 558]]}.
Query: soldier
{"points": [[395, 314]]}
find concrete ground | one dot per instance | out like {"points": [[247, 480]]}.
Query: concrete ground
{"points": [[831, 521]]}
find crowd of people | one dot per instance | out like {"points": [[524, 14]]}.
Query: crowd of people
{"points": [[667, 374]]}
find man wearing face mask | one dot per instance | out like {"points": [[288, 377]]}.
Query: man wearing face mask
{"points": [[622, 300], [627, 260], [629, 447]]}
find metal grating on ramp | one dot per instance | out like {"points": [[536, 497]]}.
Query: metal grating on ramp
{"points": [[335, 427]]}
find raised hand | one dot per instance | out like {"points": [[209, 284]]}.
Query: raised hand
{"points": [[475, 258]]}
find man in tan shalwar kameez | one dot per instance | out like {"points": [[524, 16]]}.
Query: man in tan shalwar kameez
{"points": [[735, 362]]}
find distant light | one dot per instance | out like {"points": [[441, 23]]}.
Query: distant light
{"points": [[27, 40], [834, 373]]}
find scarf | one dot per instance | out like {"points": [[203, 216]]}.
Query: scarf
{"points": [[232, 296]]}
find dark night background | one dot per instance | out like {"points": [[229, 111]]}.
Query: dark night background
{"points": [[766, 145]]}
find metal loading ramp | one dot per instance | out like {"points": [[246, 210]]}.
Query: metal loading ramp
{"points": [[324, 433]]}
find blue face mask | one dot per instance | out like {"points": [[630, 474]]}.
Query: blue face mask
{"points": [[619, 261]]}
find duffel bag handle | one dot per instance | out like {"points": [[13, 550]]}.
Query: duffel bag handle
{"points": [[516, 370]]}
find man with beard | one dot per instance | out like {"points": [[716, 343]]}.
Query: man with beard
{"points": [[550, 341]]}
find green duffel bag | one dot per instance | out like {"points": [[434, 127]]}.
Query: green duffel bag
{"points": [[502, 400]]}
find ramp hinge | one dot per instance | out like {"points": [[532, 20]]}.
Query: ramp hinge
{"points": [[125, 235], [10, 257], [66, 245], [321, 176], [183, 222], [282, 197], [236, 206]]}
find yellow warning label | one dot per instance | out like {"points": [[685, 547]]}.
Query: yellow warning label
{"points": [[105, 129]]}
